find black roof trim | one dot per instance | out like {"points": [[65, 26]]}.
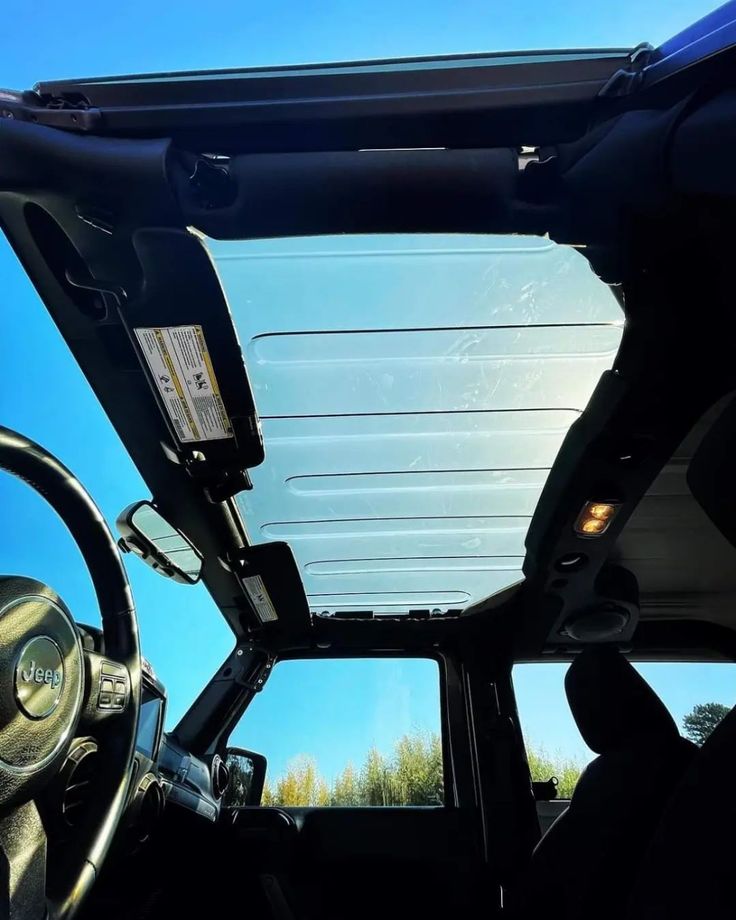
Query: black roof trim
{"points": [[455, 101]]}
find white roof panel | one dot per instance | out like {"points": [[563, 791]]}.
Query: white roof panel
{"points": [[414, 392]]}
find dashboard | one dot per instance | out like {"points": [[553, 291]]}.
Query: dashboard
{"points": [[165, 775], [184, 780], [174, 797]]}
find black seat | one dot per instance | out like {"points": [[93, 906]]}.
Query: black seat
{"points": [[688, 870], [586, 863]]}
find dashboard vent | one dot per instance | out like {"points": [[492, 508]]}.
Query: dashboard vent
{"points": [[77, 777], [146, 810], [220, 776]]}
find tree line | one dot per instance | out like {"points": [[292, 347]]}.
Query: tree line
{"points": [[412, 774]]}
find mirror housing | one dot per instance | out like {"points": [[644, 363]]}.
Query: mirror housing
{"points": [[146, 532], [247, 778]]}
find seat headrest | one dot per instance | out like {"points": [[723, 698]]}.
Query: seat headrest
{"points": [[612, 704]]}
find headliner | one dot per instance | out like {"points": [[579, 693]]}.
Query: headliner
{"points": [[414, 392], [685, 567]]}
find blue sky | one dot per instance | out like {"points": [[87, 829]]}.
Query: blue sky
{"points": [[42, 392], [140, 36]]}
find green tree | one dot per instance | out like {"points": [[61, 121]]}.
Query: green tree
{"points": [[346, 788], [301, 784], [702, 719], [268, 797], [375, 781], [411, 774], [416, 769]]}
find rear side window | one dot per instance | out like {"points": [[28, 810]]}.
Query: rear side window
{"points": [[698, 696], [349, 732]]}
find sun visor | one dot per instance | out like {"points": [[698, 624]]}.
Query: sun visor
{"points": [[710, 475], [181, 328], [270, 579]]}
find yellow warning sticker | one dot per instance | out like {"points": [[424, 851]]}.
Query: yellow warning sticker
{"points": [[181, 367]]}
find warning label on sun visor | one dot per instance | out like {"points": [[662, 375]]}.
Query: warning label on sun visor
{"points": [[180, 364], [260, 599]]}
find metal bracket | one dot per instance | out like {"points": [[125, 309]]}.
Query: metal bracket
{"points": [[68, 113], [220, 484], [256, 680], [98, 287], [626, 80], [211, 183]]}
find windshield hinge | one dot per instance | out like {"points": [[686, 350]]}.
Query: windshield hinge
{"points": [[626, 80], [71, 112]]}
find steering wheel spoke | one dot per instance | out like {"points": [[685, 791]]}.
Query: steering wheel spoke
{"points": [[107, 691]]}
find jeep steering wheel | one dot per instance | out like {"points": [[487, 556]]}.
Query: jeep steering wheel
{"points": [[51, 691]]}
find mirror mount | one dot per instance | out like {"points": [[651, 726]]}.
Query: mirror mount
{"points": [[145, 532]]}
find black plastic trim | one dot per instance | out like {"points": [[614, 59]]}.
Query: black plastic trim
{"points": [[459, 101]]}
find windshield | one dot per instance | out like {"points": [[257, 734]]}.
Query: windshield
{"points": [[414, 392]]}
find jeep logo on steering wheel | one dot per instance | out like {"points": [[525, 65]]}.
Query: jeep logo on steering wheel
{"points": [[39, 677]]}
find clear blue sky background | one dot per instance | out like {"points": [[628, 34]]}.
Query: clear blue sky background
{"points": [[43, 394]]}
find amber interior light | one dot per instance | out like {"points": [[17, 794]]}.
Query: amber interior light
{"points": [[595, 517]]}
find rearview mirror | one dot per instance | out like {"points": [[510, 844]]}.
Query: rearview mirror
{"points": [[146, 532], [247, 776]]}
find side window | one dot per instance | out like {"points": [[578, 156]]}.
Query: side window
{"points": [[553, 744], [362, 731], [698, 696]]}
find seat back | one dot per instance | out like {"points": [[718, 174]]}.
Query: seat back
{"points": [[586, 863], [688, 870]]}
